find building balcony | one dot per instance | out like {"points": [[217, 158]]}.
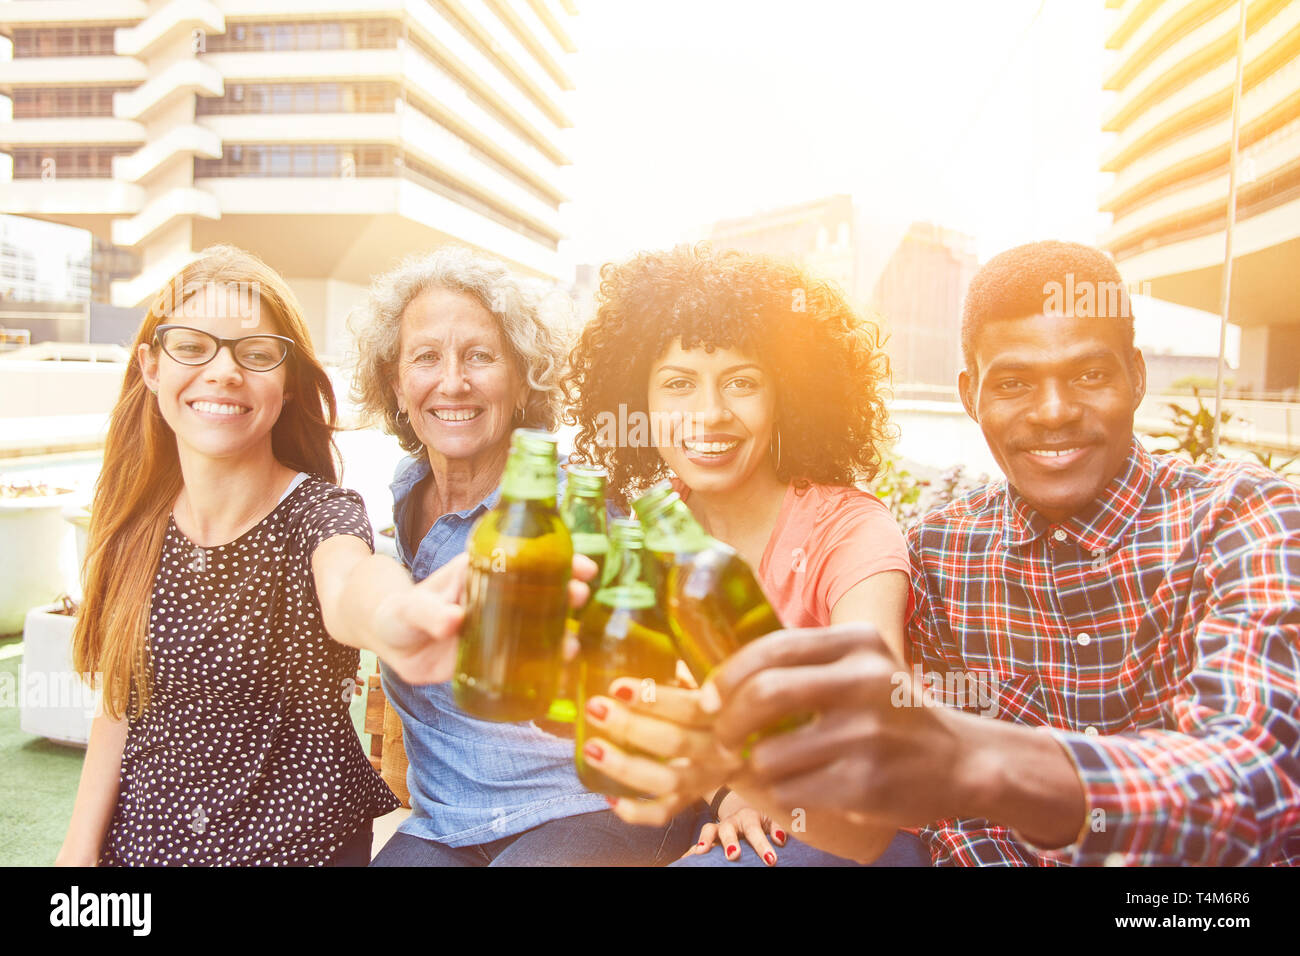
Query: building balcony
{"points": [[268, 66], [1268, 108], [49, 198], [182, 77], [484, 77], [406, 129], [448, 98], [493, 30], [170, 22], [140, 291], [361, 225], [1270, 49], [1206, 197], [56, 13], [159, 212], [1213, 42], [70, 71], [1153, 22], [187, 140], [63, 131]]}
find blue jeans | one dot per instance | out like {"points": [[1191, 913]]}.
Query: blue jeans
{"points": [[587, 839], [905, 849]]}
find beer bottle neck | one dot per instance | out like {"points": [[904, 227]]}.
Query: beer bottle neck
{"points": [[672, 527], [529, 476], [624, 587]]}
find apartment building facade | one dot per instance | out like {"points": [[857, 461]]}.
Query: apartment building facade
{"points": [[1173, 71], [330, 137]]}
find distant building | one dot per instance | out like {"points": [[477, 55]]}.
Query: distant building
{"points": [[919, 295], [913, 283], [1173, 73], [328, 138]]}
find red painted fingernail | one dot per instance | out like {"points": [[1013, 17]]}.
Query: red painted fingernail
{"points": [[593, 751], [780, 835], [625, 693], [612, 801], [597, 709], [770, 859], [733, 850]]}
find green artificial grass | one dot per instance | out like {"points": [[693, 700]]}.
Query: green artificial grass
{"points": [[38, 779]]}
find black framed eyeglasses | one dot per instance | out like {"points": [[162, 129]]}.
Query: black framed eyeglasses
{"points": [[257, 353]]}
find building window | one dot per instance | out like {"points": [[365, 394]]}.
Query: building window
{"points": [[306, 35], [70, 162], [301, 98], [59, 101], [65, 41]]}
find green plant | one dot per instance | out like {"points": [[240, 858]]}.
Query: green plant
{"points": [[1193, 429]]}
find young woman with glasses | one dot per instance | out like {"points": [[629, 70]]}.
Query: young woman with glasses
{"points": [[229, 584]]}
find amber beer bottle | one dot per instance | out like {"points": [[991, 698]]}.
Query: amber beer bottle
{"points": [[712, 601], [583, 512], [618, 639], [521, 561]]}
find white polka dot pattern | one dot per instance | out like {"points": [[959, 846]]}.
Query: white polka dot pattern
{"points": [[247, 755]]}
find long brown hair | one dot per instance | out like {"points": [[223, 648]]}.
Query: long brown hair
{"points": [[141, 476]]}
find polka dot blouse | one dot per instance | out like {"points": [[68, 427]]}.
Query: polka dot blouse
{"points": [[247, 755]]}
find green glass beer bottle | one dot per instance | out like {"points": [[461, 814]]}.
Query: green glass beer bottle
{"points": [[521, 561], [583, 511], [712, 601], [618, 639]]}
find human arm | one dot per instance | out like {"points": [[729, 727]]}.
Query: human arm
{"points": [[92, 811], [369, 601]]}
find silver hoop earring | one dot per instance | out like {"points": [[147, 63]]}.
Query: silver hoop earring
{"points": [[518, 416], [402, 417], [776, 451]]}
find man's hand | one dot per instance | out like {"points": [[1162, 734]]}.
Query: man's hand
{"points": [[861, 755]]}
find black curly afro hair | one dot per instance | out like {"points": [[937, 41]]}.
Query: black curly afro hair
{"points": [[1026, 280], [826, 360]]}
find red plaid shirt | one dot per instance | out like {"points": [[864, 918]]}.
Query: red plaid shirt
{"points": [[1156, 636]]}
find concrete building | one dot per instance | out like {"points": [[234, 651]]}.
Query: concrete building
{"points": [[911, 279], [330, 137], [1173, 73], [919, 295]]}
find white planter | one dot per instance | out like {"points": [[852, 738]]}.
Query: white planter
{"points": [[54, 701], [36, 554]]}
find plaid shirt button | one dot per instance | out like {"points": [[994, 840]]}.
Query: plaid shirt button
{"points": [[1084, 639], [1090, 731], [1059, 534]]}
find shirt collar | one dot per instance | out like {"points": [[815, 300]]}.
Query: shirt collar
{"points": [[409, 473], [1098, 527]]}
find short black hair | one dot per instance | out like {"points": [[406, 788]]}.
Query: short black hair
{"points": [[1039, 278]]}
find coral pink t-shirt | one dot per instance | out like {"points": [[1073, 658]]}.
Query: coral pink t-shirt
{"points": [[827, 539]]}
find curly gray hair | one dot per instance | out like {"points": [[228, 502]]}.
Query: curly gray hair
{"points": [[537, 349]]}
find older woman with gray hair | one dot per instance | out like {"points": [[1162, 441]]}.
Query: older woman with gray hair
{"points": [[454, 354]]}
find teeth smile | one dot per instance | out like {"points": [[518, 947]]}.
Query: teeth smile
{"points": [[710, 447], [212, 408], [1054, 453], [456, 415]]}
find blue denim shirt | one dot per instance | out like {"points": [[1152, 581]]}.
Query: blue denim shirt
{"points": [[471, 781]]}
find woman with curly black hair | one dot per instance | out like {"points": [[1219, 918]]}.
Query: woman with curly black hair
{"points": [[759, 391]]}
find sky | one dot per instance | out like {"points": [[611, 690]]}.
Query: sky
{"points": [[980, 116]]}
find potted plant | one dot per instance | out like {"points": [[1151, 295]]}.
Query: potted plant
{"points": [[56, 702], [36, 550]]}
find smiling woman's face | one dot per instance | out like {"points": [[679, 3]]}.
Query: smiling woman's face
{"points": [[454, 376], [220, 409], [726, 402]]}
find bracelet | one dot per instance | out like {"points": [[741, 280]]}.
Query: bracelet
{"points": [[722, 794]]}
